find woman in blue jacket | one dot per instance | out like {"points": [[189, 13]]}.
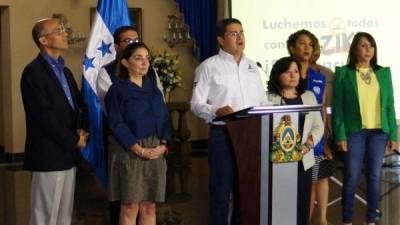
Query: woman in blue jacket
{"points": [[139, 120]]}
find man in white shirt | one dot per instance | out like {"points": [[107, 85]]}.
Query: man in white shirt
{"points": [[223, 84]]}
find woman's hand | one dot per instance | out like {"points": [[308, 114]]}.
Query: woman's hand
{"points": [[342, 145], [149, 153], [392, 145], [304, 149], [158, 151], [307, 146], [142, 152], [327, 151]]}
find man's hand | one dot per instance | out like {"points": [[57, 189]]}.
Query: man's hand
{"points": [[84, 133], [83, 136], [224, 111], [342, 145]]}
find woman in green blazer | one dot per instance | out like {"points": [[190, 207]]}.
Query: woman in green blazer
{"points": [[364, 121]]}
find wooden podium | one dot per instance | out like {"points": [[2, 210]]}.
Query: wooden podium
{"points": [[268, 191]]}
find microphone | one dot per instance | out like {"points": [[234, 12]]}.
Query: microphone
{"points": [[271, 82], [259, 65]]}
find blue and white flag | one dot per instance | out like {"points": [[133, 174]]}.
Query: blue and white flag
{"points": [[110, 15]]}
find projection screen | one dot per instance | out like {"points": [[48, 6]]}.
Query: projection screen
{"points": [[268, 23]]}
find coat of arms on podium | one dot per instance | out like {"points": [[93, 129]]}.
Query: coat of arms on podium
{"points": [[286, 142]]}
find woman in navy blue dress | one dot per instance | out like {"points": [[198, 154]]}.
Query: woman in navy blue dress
{"points": [[139, 120]]}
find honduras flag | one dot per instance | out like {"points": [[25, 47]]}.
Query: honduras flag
{"points": [[110, 15]]}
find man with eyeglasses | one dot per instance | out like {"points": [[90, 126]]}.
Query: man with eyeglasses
{"points": [[123, 36], [225, 83], [56, 125]]}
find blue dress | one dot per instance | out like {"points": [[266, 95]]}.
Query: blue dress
{"points": [[316, 83]]}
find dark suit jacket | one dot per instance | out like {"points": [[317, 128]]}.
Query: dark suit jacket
{"points": [[51, 122]]}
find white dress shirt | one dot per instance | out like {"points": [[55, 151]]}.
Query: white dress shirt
{"points": [[220, 81], [103, 83]]}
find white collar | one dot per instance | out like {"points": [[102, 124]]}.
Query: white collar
{"points": [[228, 56]]}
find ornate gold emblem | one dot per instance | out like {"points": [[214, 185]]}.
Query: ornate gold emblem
{"points": [[286, 142]]}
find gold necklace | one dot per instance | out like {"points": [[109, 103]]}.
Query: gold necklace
{"points": [[366, 76]]}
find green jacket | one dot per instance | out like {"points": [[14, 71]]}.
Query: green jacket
{"points": [[346, 108]]}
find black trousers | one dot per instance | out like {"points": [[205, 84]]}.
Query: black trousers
{"points": [[303, 194]]}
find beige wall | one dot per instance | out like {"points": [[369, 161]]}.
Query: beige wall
{"points": [[222, 9], [155, 20], [18, 22], [5, 75], [1, 91]]}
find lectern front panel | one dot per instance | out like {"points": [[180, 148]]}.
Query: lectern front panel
{"points": [[265, 164]]}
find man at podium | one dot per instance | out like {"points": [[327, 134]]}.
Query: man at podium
{"points": [[225, 83]]}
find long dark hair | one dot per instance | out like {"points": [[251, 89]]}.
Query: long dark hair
{"points": [[129, 50], [352, 58], [282, 65]]}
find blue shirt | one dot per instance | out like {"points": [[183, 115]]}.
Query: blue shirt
{"points": [[316, 83], [137, 112], [58, 68]]}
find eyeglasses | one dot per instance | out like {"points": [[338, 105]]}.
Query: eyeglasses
{"points": [[57, 31], [129, 41], [235, 34]]}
